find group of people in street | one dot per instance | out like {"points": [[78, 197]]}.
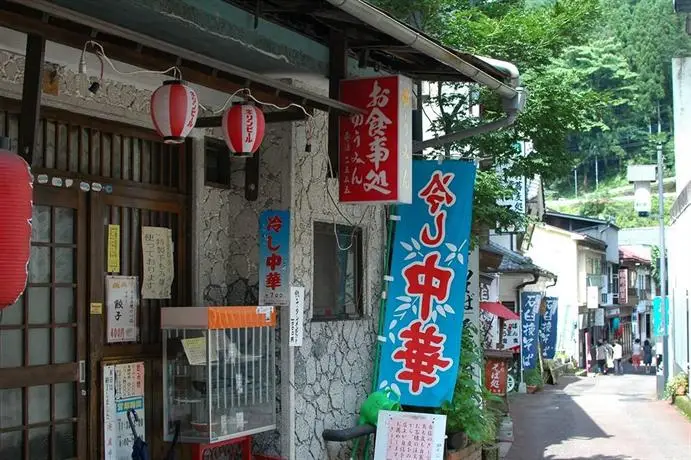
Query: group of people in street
{"points": [[642, 353], [609, 357]]}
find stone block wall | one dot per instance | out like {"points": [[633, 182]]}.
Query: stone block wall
{"points": [[333, 368]]}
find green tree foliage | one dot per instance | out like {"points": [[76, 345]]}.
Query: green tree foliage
{"points": [[532, 38], [641, 37]]}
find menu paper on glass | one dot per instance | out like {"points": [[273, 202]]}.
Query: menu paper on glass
{"points": [[157, 260], [297, 308], [410, 436], [123, 389], [123, 309]]}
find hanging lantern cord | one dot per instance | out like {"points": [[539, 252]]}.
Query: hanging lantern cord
{"points": [[101, 54]]}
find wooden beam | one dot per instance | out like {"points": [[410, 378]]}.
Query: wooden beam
{"points": [[198, 69], [31, 95], [338, 70], [270, 117]]}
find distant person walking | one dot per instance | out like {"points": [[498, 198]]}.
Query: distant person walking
{"points": [[601, 357], [636, 355], [618, 353], [610, 356], [647, 356]]}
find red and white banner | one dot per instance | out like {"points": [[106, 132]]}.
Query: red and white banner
{"points": [[376, 147]]}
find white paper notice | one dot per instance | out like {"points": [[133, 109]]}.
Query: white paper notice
{"points": [[123, 389], [123, 309], [409, 436], [158, 263], [297, 308]]}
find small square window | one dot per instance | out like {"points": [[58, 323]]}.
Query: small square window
{"points": [[216, 163], [337, 280]]}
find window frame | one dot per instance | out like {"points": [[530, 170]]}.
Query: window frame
{"points": [[216, 146], [327, 228]]}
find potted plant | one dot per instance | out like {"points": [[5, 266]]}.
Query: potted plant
{"points": [[677, 386], [533, 380], [470, 422]]}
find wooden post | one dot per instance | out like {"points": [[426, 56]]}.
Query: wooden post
{"points": [[31, 95], [338, 70]]}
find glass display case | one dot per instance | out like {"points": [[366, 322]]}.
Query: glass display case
{"points": [[219, 372]]}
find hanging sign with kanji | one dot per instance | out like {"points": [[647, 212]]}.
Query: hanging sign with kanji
{"points": [[376, 147], [495, 376], [548, 328], [122, 303], [425, 300], [274, 258], [530, 310]]}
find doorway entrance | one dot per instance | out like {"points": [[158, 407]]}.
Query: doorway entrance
{"points": [[53, 343]]}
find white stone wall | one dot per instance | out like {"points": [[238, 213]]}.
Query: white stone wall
{"points": [[333, 368]]}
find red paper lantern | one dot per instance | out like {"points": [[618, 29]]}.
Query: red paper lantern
{"points": [[16, 192], [243, 128], [174, 110]]}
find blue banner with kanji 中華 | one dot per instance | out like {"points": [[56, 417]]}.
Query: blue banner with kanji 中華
{"points": [[425, 301], [530, 310], [548, 328]]}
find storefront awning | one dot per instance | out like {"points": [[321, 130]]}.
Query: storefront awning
{"points": [[498, 309]]}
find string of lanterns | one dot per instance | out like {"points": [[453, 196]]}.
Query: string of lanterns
{"points": [[174, 111], [175, 108]]}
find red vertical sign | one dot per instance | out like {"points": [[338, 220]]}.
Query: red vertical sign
{"points": [[375, 147], [623, 286], [495, 376]]}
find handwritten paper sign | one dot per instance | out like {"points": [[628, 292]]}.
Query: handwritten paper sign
{"points": [[297, 308], [410, 436], [158, 265], [195, 350], [123, 309], [113, 248], [123, 389]]}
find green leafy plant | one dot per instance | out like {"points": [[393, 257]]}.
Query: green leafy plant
{"points": [[470, 409], [677, 383], [533, 377]]}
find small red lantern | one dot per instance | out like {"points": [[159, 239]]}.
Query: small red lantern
{"points": [[16, 192], [174, 110], [243, 128]]}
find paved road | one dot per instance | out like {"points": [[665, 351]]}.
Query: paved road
{"points": [[600, 418]]}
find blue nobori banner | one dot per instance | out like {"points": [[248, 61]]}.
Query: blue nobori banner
{"points": [[425, 301], [530, 309], [548, 328], [274, 258]]}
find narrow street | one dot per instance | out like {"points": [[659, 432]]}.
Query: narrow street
{"points": [[603, 418]]}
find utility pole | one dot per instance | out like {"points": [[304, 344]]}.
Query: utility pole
{"points": [[662, 376], [575, 181], [597, 173]]}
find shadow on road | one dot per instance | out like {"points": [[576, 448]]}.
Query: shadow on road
{"points": [[554, 418], [594, 457]]}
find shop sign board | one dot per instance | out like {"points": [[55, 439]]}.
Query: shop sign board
{"points": [[376, 147], [274, 258]]}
